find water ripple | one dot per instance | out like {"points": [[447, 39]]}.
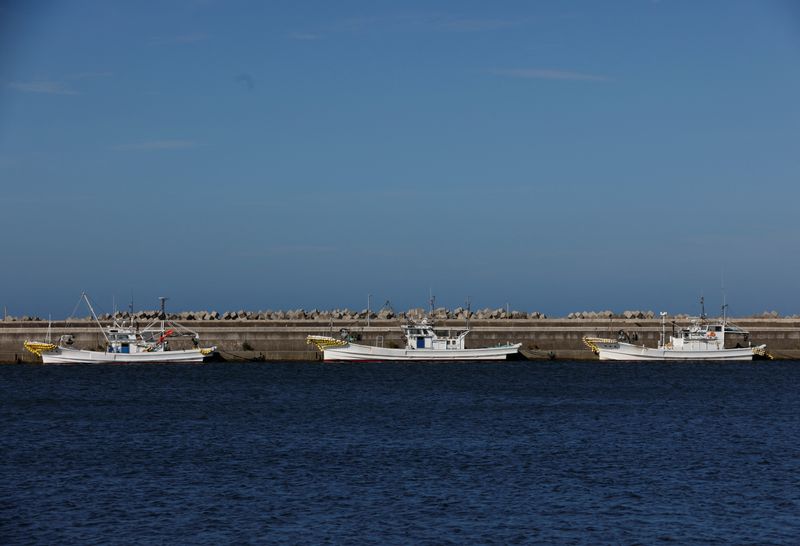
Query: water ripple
{"points": [[518, 453]]}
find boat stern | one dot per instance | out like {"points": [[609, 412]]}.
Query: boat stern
{"points": [[760, 353]]}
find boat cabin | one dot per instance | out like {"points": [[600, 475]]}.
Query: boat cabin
{"points": [[123, 339], [703, 337], [422, 335]]}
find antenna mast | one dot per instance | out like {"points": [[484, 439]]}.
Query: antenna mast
{"points": [[724, 301], [163, 314]]}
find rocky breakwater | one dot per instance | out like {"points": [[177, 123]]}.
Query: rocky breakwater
{"points": [[280, 334]]}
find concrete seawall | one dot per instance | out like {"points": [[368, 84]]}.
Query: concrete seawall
{"points": [[284, 340]]}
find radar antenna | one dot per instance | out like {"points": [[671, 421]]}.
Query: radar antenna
{"points": [[163, 317], [724, 300]]}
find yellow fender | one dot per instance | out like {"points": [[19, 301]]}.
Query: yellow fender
{"points": [[38, 347], [324, 342]]}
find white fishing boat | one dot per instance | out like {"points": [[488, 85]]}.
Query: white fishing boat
{"points": [[423, 343], [702, 340], [126, 342]]}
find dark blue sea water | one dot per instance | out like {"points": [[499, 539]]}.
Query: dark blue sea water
{"points": [[511, 453]]}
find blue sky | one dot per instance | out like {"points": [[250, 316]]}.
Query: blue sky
{"points": [[558, 156]]}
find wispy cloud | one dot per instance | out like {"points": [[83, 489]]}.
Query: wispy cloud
{"points": [[302, 249], [432, 22], [356, 24], [88, 75], [286, 250], [549, 74], [246, 80], [478, 25], [179, 39], [307, 36], [157, 145], [46, 87]]}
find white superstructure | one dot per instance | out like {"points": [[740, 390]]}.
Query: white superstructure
{"points": [[700, 341], [126, 342], [423, 343]]}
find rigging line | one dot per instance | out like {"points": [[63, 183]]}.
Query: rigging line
{"points": [[74, 309], [97, 320]]}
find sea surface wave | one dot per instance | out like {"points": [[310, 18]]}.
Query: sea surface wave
{"points": [[312, 453]]}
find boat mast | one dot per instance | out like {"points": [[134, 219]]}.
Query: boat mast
{"points": [[663, 328]]}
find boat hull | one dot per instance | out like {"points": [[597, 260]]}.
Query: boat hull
{"points": [[66, 355], [365, 353], [628, 352]]}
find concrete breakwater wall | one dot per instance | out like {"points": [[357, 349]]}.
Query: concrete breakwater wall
{"points": [[438, 314], [285, 339]]}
